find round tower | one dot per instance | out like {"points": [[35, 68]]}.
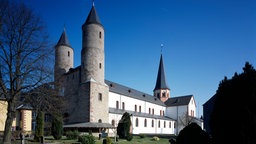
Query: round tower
{"points": [[92, 55], [64, 57]]}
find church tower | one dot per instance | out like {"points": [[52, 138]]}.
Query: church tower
{"points": [[64, 59], [161, 90], [93, 87]]}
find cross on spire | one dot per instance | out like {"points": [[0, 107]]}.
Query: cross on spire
{"points": [[162, 45]]}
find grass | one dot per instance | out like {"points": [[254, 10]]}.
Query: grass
{"points": [[135, 140], [138, 140]]}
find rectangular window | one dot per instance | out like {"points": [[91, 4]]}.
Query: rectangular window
{"points": [[100, 97]]}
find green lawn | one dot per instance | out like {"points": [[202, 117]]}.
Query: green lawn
{"points": [[135, 140], [138, 140]]}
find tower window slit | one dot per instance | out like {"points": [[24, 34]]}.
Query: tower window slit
{"points": [[100, 65], [68, 54], [100, 35]]}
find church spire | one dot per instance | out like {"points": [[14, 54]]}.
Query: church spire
{"points": [[161, 90], [161, 81]]}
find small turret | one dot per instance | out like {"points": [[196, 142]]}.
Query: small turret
{"points": [[64, 56]]}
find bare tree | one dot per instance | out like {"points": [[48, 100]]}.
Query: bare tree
{"points": [[24, 56]]}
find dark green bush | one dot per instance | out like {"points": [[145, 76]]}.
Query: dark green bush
{"points": [[57, 128], [72, 134], [142, 135], [108, 139], [39, 126], [86, 139], [129, 137]]}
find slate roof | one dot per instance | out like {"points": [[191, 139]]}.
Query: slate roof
{"points": [[130, 92], [63, 39], [89, 125], [93, 17], [178, 101], [161, 81], [25, 107]]}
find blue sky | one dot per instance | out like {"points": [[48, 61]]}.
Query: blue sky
{"points": [[204, 40]]}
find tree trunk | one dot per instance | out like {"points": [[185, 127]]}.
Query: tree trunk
{"points": [[8, 123]]}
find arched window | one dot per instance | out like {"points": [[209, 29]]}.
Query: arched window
{"points": [[170, 124], [99, 121], [159, 124], [137, 122], [117, 104], [113, 122], [68, 53], [145, 123], [164, 95], [139, 108], [153, 112], [152, 123], [123, 105], [149, 110], [135, 108]]}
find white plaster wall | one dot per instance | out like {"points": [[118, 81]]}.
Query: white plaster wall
{"points": [[131, 102], [141, 127], [192, 106]]}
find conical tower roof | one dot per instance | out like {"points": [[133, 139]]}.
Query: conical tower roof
{"points": [[63, 39], [161, 81], [93, 17]]}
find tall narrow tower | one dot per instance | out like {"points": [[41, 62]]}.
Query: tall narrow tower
{"points": [[161, 90], [64, 59], [93, 49], [93, 88]]}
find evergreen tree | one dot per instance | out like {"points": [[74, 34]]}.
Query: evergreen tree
{"points": [[124, 125], [57, 128], [39, 126], [193, 134], [233, 119]]}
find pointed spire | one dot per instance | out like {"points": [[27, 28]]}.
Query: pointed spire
{"points": [[161, 81], [93, 17], [63, 39]]}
